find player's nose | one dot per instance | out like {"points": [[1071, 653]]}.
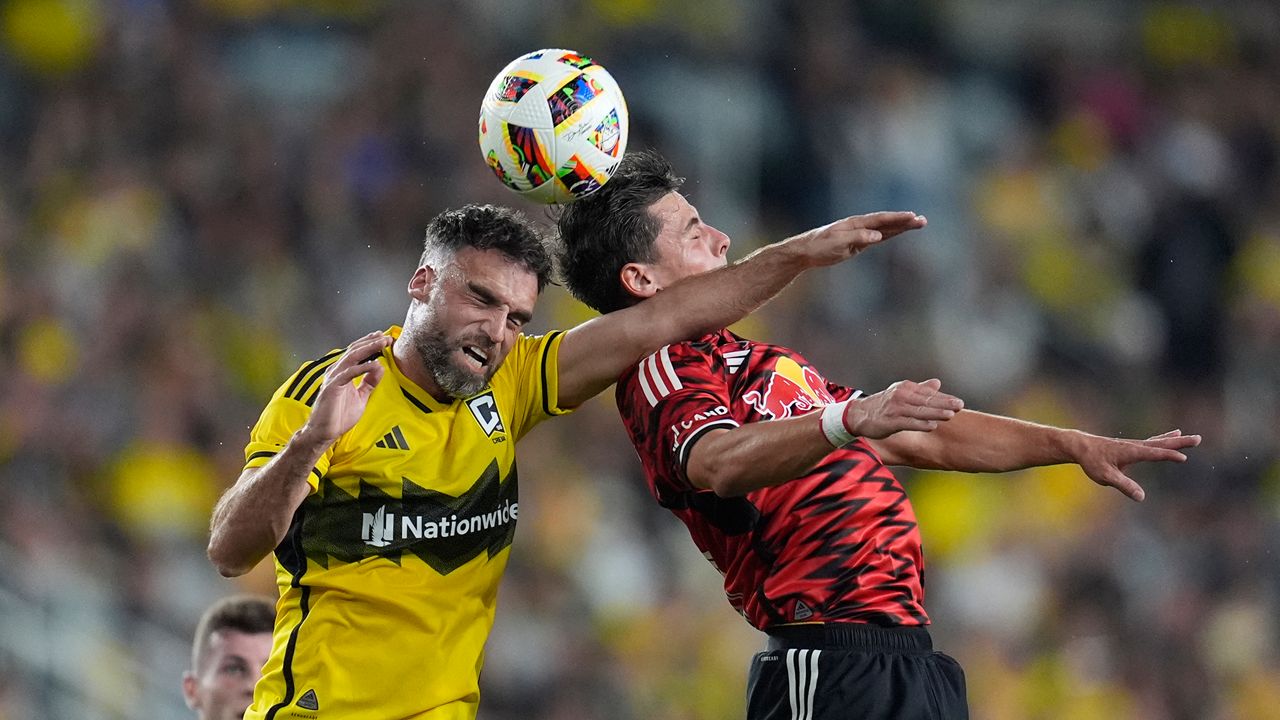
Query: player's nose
{"points": [[491, 326], [720, 242]]}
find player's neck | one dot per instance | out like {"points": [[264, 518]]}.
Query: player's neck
{"points": [[410, 363]]}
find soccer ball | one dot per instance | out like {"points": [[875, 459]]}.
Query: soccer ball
{"points": [[553, 126]]}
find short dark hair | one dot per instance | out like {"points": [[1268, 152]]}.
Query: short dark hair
{"points": [[250, 614], [611, 227], [489, 227]]}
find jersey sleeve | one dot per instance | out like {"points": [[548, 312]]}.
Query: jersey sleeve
{"points": [[669, 402], [842, 393], [285, 414], [532, 382]]}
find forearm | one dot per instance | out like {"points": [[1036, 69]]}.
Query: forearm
{"points": [[710, 301], [757, 455], [977, 442], [593, 354], [253, 516]]}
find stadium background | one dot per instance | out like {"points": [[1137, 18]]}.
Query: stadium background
{"points": [[195, 197]]}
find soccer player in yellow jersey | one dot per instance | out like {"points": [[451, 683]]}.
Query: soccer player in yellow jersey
{"points": [[383, 475]]}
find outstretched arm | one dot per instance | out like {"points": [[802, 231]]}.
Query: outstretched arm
{"points": [[978, 442], [593, 354], [253, 516], [756, 455]]}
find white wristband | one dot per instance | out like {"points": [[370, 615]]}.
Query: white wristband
{"points": [[833, 425]]}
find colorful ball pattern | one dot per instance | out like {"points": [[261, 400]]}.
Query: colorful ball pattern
{"points": [[553, 126]]}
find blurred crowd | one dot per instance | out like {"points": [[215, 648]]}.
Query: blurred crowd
{"points": [[196, 196]]}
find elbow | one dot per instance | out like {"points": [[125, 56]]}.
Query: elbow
{"points": [[230, 570], [728, 487], [720, 480], [715, 467], [222, 560]]}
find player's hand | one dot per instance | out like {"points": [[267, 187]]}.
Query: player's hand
{"points": [[340, 402], [904, 405], [845, 238], [1104, 460]]}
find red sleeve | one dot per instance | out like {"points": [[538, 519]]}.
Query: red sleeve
{"points": [[668, 402], [842, 393]]}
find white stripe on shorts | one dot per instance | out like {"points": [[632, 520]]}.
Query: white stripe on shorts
{"points": [[802, 682], [813, 682]]}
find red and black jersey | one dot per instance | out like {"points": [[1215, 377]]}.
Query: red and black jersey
{"points": [[839, 544]]}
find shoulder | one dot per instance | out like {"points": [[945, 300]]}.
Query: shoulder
{"points": [[529, 376], [304, 383], [704, 349], [711, 354], [538, 344], [719, 353], [671, 361], [531, 354]]}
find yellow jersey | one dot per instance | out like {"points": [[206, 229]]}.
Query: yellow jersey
{"points": [[389, 572]]}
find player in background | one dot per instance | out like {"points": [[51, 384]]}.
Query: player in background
{"points": [[780, 474], [383, 475], [233, 639]]}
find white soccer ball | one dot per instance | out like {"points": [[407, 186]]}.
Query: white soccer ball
{"points": [[553, 126]]}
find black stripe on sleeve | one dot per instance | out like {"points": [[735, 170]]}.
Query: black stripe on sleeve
{"points": [[272, 453], [318, 372], [311, 401], [687, 445], [308, 368], [546, 352]]}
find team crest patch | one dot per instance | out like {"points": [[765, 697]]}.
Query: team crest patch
{"points": [[485, 410]]}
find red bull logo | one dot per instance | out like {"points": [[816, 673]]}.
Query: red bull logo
{"points": [[790, 390]]}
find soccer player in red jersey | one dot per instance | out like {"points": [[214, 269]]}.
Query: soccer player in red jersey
{"points": [[781, 475]]}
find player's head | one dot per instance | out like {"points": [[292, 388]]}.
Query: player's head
{"points": [[232, 643], [481, 270], [634, 236]]}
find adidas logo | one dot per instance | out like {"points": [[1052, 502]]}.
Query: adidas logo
{"points": [[393, 440], [308, 701], [802, 611], [734, 358]]}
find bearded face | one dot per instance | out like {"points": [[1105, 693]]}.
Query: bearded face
{"points": [[452, 360]]}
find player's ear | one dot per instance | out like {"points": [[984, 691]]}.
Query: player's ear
{"points": [[421, 282], [638, 280], [189, 684]]}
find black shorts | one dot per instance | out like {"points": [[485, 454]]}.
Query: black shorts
{"points": [[853, 670]]}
